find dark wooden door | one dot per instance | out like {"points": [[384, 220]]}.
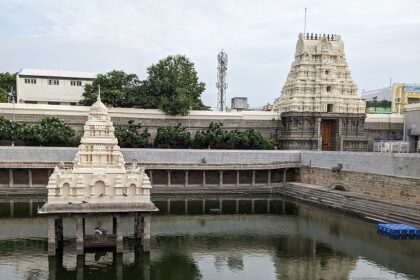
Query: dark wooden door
{"points": [[326, 135]]}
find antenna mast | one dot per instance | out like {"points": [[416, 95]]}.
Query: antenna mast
{"points": [[221, 84]]}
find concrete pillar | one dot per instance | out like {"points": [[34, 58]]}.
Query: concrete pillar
{"points": [[237, 177], [169, 206], [204, 178], [11, 178], [284, 176], [339, 136], [55, 267], [80, 235], [252, 206], [268, 206], [119, 266], [186, 206], [146, 232], [30, 177], [169, 178], [269, 178], [220, 205], [237, 206], [186, 178], [204, 206], [137, 227], [220, 178], [59, 232], [80, 267], [253, 178], [318, 133], [52, 236], [117, 231]]}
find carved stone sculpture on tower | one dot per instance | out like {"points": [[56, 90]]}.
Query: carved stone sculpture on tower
{"points": [[319, 79]]}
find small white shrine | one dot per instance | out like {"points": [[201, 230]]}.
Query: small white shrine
{"points": [[98, 184], [99, 174]]}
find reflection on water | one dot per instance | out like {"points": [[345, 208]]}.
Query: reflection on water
{"points": [[253, 238]]}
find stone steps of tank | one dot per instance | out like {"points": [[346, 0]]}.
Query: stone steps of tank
{"points": [[344, 202]]}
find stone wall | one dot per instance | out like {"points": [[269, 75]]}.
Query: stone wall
{"points": [[402, 165], [390, 188], [267, 123]]}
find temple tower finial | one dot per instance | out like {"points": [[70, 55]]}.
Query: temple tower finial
{"points": [[99, 93]]}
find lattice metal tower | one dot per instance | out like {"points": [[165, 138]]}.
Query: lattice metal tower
{"points": [[221, 84]]}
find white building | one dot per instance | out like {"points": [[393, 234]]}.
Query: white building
{"points": [[36, 86]]}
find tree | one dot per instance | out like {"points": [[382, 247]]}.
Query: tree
{"points": [[50, 132], [131, 137], [118, 89], [7, 84], [217, 138], [3, 95], [174, 137], [6, 129], [173, 81], [56, 133], [212, 137]]}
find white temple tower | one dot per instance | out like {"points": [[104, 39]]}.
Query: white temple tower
{"points": [[319, 105], [98, 184], [98, 174]]}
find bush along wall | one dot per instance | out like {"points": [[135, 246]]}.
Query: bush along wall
{"points": [[54, 132]]}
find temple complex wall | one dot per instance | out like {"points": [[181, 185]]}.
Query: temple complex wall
{"points": [[382, 127]]}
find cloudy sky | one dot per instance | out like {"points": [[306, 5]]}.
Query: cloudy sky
{"points": [[382, 38]]}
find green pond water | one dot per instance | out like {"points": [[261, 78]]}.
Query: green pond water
{"points": [[259, 238]]}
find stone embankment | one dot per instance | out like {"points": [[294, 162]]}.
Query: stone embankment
{"points": [[365, 206]]}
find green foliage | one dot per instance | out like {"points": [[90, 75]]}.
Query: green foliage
{"points": [[7, 81], [174, 81], [6, 129], [382, 103], [7, 84], [3, 95], [131, 137], [172, 85], [50, 132], [217, 138], [117, 89], [176, 137]]}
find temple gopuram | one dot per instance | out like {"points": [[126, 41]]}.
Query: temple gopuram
{"points": [[319, 105]]}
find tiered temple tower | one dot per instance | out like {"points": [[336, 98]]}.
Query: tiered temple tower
{"points": [[319, 105], [98, 184], [98, 174]]}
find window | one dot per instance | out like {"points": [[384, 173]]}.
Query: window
{"points": [[328, 88], [330, 108], [413, 100], [73, 103], [53, 103], [76, 83], [30, 81], [31, 102], [54, 82]]}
